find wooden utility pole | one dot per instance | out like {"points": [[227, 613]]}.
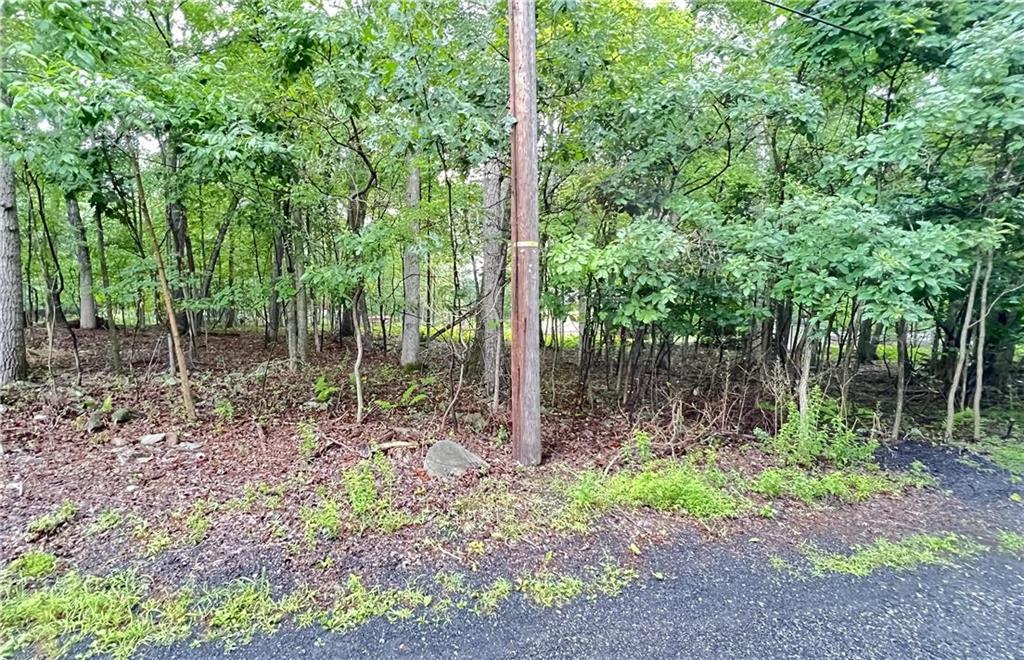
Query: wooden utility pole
{"points": [[522, 62]]}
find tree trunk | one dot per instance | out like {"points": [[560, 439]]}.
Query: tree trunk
{"points": [[411, 281], [901, 377], [179, 353], [492, 294], [961, 356], [115, 342], [13, 363], [274, 306], [298, 270], [87, 304], [979, 369], [177, 223], [804, 384], [357, 364]]}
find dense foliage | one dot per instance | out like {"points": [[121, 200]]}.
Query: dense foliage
{"points": [[723, 173]]}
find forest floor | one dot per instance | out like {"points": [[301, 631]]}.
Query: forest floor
{"points": [[273, 522]]}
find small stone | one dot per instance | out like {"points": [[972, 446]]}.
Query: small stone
{"points": [[96, 422], [188, 446], [122, 415], [475, 421], [127, 454], [38, 417], [446, 458], [152, 439]]}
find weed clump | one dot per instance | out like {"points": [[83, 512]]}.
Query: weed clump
{"points": [[818, 435], [49, 523], [111, 615], [902, 555], [33, 565], [360, 603], [1011, 543], [237, 612], [662, 485], [846, 485]]}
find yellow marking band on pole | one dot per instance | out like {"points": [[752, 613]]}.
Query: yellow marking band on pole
{"points": [[527, 244]]}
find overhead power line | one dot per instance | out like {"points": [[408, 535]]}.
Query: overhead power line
{"points": [[817, 19]]}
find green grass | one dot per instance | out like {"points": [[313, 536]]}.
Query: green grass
{"points": [[1011, 543], [548, 589], [321, 521], [847, 485], [118, 614], [33, 565], [198, 522], [111, 615], [902, 555], [49, 523], [662, 485], [488, 600], [359, 603], [107, 520], [1007, 454], [240, 610]]}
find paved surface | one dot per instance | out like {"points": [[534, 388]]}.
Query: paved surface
{"points": [[728, 606]]}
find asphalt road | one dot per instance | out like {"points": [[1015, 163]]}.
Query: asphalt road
{"points": [[727, 606]]}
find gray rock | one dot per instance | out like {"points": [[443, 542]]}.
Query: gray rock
{"points": [[446, 458], [475, 421], [128, 454], [122, 415], [188, 446], [152, 439], [97, 421]]}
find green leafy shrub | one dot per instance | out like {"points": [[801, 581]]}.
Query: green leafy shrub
{"points": [[369, 488], [224, 410], [820, 434], [641, 446], [323, 519], [324, 391], [361, 488]]}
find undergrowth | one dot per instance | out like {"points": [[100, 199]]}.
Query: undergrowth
{"points": [[818, 435], [699, 491], [847, 485]]}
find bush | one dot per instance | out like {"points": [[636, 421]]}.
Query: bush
{"points": [[820, 434]]}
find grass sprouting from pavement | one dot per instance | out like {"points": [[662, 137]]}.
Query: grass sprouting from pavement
{"points": [[904, 554], [117, 614], [112, 615], [1011, 543]]}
